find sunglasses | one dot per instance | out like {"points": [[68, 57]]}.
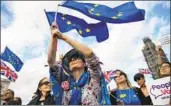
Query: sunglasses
{"points": [[45, 83], [6, 93], [118, 75], [137, 79]]}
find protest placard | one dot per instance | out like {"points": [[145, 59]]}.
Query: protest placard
{"points": [[159, 91]]}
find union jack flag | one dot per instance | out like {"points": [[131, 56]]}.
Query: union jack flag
{"points": [[7, 72], [144, 71], [108, 75]]}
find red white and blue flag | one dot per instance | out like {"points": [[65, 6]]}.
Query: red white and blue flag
{"points": [[7, 72], [109, 75], [145, 71]]}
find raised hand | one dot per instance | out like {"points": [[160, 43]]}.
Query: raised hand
{"points": [[55, 31]]}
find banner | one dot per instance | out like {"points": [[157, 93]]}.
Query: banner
{"points": [[160, 91]]}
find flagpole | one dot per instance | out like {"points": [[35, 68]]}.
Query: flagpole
{"points": [[57, 15], [56, 12], [57, 9]]}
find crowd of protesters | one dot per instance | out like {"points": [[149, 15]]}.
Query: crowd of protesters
{"points": [[78, 75]]}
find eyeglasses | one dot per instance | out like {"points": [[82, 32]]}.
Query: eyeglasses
{"points": [[45, 83], [118, 75]]}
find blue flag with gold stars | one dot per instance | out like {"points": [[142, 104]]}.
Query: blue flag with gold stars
{"points": [[67, 22], [124, 13], [12, 58]]}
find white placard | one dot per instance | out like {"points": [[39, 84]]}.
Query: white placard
{"points": [[160, 91]]}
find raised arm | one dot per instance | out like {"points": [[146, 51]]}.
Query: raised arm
{"points": [[88, 53], [52, 45]]}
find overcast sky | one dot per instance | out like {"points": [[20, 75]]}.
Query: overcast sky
{"points": [[25, 30]]}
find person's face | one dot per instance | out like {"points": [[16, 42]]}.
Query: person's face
{"points": [[7, 95], [165, 69], [140, 81], [76, 64], [119, 78], [45, 86]]}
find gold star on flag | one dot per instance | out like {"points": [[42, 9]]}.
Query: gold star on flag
{"points": [[68, 22], [97, 14], [114, 17], [120, 14], [92, 9], [80, 32], [63, 18], [87, 30], [96, 5]]}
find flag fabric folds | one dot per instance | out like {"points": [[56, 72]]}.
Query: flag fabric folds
{"points": [[56, 89], [7, 72], [124, 13], [105, 99], [50, 17], [109, 75], [12, 58], [67, 22], [144, 71]]}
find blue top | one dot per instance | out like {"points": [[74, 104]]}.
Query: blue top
{"points": [[128, 96]]}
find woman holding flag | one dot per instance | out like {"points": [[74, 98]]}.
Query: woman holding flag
{"points": [[125, 94], [84, 69]]}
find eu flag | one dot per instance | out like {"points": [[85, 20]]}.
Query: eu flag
{"points": [[12, 58], [50, 17], [56, 89], [57, 76], [67, 22], [124, 13]]}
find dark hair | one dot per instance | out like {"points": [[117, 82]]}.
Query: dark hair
{"points": [[18, 100], [127, 80], [38, 92], [138, 76], [75, 56], [68, 57], [11, 91], [161, 76], [166, 63]]}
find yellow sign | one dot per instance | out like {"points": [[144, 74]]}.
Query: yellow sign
{"points": [[122, 95]]}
